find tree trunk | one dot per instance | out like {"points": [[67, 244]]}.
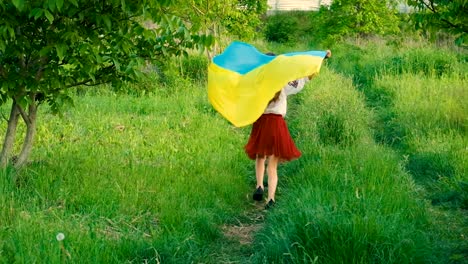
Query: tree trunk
{"points": [[30, 121], [10, 135]]}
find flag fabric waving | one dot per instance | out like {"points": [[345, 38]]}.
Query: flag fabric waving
{"points": [[242, 80]]}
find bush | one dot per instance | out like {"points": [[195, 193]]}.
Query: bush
{"points": [[194, 68], [282, 28]]}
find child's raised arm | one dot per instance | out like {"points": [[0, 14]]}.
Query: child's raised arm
{"points": [[295, 86]]}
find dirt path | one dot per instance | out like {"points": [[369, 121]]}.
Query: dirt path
{"points": [[239, 235], [243, 231]]}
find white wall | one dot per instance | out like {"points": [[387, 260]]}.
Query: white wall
{"points": [[307, 5], [296, 4]]}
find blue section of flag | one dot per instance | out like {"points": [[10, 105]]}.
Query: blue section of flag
{"points": [[242, 58], [311, 53]]}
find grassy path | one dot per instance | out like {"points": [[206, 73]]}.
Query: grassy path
{"points": [[240, 235], [346, 184], [416, 96], [132, 178]]}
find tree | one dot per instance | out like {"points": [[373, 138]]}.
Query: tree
{"points": [[244, 18], [449, 16], [49, 46], [283, 27], [357, 17], [239, 18]]}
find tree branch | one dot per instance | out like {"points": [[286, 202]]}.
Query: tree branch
{"points": [[198, 10], [42, 63], [450, 23], [429, 6], [77, 84], [433, 8], [32, 106], [94, 84], [85, 82], [24, 115]]}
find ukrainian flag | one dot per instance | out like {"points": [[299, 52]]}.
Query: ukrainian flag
{"points": [[242, 80]]}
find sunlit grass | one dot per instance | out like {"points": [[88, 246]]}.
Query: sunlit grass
{"points": [[126, 178], [348, 200], [152, 175]]}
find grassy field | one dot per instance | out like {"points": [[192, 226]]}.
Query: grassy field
{"points": [[126, 179], [161, 177]]}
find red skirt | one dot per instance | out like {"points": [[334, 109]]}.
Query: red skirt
{"points": [[270, 136]]}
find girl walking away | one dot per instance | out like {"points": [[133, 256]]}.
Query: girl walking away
{"points": [[270, 141]]}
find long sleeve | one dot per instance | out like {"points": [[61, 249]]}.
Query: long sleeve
{"points": [[280, 105], [295, 86]]}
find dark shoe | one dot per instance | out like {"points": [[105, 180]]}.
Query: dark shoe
{"points": [[270, 204], [258, 194]]}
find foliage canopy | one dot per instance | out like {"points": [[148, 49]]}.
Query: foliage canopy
{"points": [[356, 17], [449, 16]]}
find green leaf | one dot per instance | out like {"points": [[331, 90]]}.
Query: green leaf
{"points": [[19, 4], [107, 21], [59, 4], [38, 14], [186, 33], [51, 5], [49, 16], [74, 2], [98, 58], [92, 77], [34, 12], [61, 50], [12, 32], [117, 64], [45, 51], [2, 46]]}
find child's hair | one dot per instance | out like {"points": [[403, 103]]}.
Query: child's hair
{"points": [[275, 98]]}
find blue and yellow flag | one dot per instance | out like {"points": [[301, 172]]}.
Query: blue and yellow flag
{"points": [[242, 80]]}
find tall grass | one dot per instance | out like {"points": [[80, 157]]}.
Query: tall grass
{"points": [[126, 179], [434, 136], [347, 201], [151, 173], [418, 94]]}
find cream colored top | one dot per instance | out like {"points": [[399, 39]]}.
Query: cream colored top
{"points": [[280, 106]]}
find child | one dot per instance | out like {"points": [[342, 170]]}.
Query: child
{"points": [[270, 139]]}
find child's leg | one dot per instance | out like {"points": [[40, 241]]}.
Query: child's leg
{"points": [[272, 177], [260, 170]]}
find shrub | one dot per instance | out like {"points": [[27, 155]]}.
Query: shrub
{"points": [[281, 28], [194, 68]]}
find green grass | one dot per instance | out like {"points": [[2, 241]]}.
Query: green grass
{"points": [[349, 200], [126, 179], [418, 96], [153, 175], [434, 130]]}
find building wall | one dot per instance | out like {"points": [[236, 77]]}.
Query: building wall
{"points": [[308, 5], [305, 5]]}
